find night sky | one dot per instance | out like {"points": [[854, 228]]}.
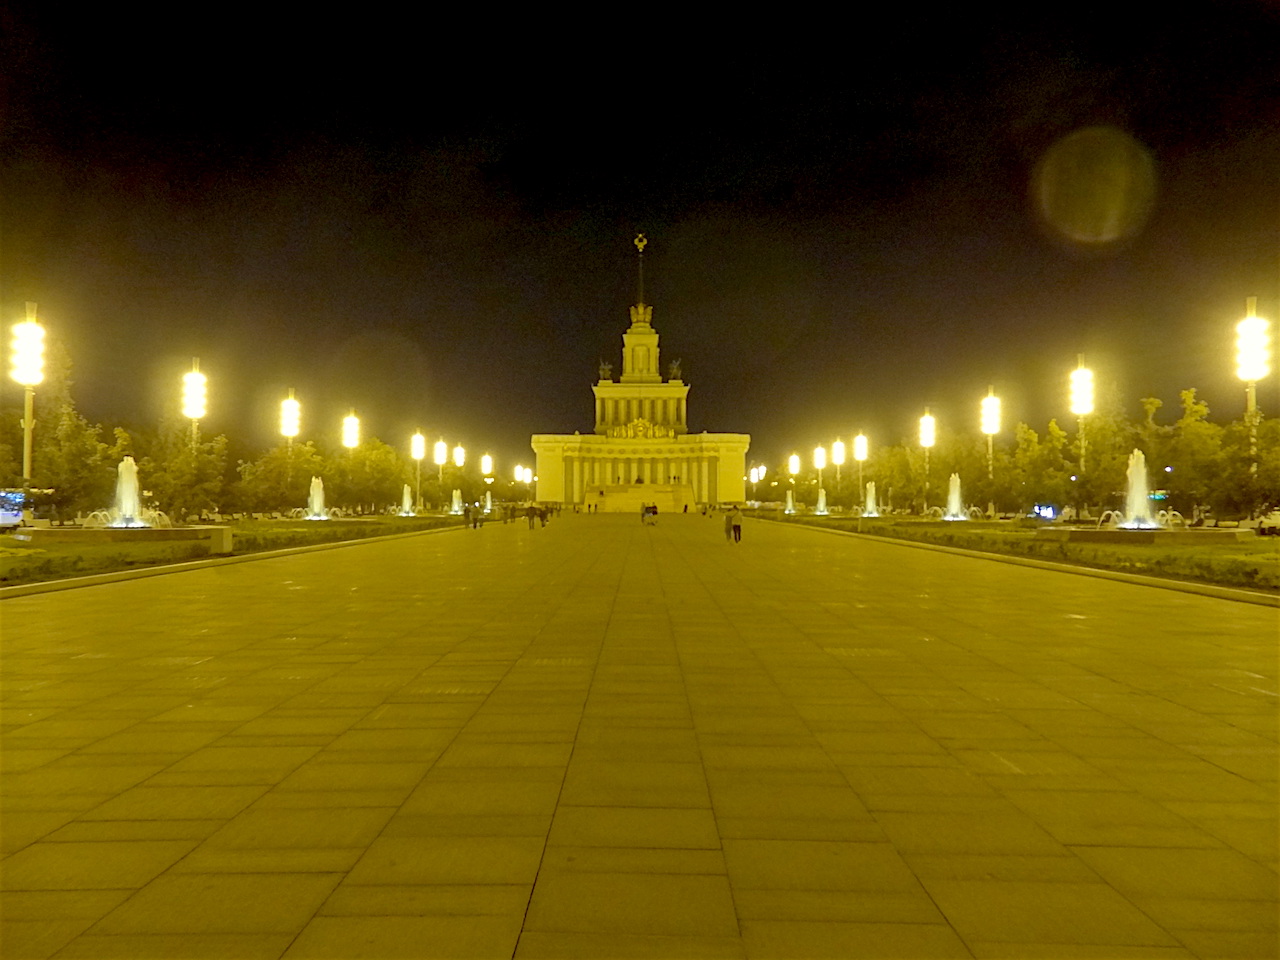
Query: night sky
{"points": [[431, 220]]}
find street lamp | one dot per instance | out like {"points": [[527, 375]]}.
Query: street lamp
{"points": [[820, 464], [26, 353], [290, 418], [928, 437], [194, 398], [1253, 362], [351, 431], [486, 465], [837, 457], [991, 426], [418, 450], [754, 476], [459, 456], [1081, 400], [441, 457]]}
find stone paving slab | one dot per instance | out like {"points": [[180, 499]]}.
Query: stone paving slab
{"points": [[602, 739]]}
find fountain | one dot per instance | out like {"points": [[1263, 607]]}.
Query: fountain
{"points": [[791, 504], [127, 513], [871, 510], [1137, 501], [315, 501], [128, 520], [406, 502], [821, 509], [1137, 524], [955, 506], [456, 507]]}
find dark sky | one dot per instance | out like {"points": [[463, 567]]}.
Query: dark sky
{"points": [[431, 220]]}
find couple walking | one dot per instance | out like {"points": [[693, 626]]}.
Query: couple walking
{"points": [[733, 524]]}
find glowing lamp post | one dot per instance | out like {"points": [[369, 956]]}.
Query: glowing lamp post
{"points": [[1081, 401], [486, 465], [459, 456], [860, 454], [928, 437], [1253, 362], [26, 352], [820, 464], [351, 431], [195, 391], [418, 450], [837, 457], [290, 418], [526, 474], [441, 457], [991, 426]]}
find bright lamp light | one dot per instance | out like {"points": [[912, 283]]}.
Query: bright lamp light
{"points": [[1253, 347], [486, 465], [26, 351], [1082, 391], [418, 446], [351, 431], [990, 414], [928, 431], [860, 448], [194, 393], [441, 453], [290, 416]]}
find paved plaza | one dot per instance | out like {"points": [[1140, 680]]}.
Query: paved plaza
{"points": [[603, 739]]}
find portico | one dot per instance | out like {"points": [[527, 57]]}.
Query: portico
{"points": [[641, 450]]}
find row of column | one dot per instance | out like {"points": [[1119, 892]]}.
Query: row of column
{"points": [[600, 472], [668, 411]]}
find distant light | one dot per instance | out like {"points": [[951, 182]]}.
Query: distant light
{"points": [[418, 446], [441, 453], [528, 474], [290, 416], [793, 464], [754, 475], [1074, 478], [459, 456], [1044, 511], [928, 430], [1253, 346], [1082, 391], [990, 414], [351, 431], [26, 350], [819, 458], [486, 465], [860, 448], [763, 470], [837, 453], [519, 472], [1168, 469], [194, 392]]}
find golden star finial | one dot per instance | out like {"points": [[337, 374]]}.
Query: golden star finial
{"points": [[640, 242]]}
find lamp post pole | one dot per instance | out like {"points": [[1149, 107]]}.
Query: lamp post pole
{"points": [[928, 436], [1253, 362], [418, 450], [27, 359], [194, 399]]}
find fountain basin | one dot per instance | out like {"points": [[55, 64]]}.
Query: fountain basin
{"points": [[1181, 537], [219, 538]]}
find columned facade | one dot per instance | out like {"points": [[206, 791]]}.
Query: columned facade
{"points": [[641, 450]]}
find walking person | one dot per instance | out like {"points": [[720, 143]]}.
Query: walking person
{"points": [[728, 526], [735, 520]]}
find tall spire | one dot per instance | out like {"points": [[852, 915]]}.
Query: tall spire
{"points": [[640, 242]]}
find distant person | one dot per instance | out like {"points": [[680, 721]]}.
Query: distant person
{"points": [[466, 516], [728, 526], [735, 520], [532, 514]]}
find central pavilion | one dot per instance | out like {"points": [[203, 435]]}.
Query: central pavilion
{"points": [[641, 451]]}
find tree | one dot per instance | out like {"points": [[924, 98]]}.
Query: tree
{"points": [[1194, 451], [184, 478], [279, 480]]}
